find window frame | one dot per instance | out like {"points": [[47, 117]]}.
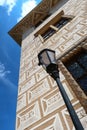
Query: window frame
{"points": [[51, 25]]}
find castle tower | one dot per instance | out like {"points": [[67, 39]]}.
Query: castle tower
{"points": [[60, 25]]}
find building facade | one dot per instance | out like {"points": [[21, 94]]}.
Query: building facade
{"points": [[60, 25]]}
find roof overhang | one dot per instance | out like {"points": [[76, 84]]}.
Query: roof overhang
{"points": [[31, 19]]}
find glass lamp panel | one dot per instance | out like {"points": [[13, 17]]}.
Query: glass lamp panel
{"points": [[45, 59], [48, 33], [51, 55]]}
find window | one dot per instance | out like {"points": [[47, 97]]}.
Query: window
{"points": [[52, 29], [48, 33], [53, 25], [77, 66], [62, 22]]}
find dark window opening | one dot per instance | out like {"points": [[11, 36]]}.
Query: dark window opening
{"points": [[77, 66], [48, 33], [62, 22]]}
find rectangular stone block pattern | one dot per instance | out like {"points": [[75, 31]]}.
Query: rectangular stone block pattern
{"points": [[52, 123], [40, 74], [44, 108], [81, 115], [21, 103], [29, 116], [38, 90], [53, 100], [31, 82]]}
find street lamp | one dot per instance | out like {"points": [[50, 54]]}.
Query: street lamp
{"points": [[47, 59]]}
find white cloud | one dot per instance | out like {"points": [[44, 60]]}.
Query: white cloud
{"points": [[3, 71], [11, 86], [27, 7], [9, 4], [4, 77]]}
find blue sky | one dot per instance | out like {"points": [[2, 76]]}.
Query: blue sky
{"points": [[11, 11]]}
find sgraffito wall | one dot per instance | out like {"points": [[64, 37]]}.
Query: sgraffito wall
{"points": [[40, 105]]}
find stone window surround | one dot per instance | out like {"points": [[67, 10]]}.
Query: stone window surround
{"points": [[73, 84], [51, 23]]}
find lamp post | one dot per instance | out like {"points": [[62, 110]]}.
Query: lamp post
{"points": [[47, 59]]}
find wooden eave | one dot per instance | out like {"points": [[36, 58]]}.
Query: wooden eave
{"points": [[31, 19]]}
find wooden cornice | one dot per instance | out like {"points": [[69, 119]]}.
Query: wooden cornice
{"points": [[31, 19]]}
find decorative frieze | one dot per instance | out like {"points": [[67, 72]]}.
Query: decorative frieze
{"points": [[58, 52], [48, 43], [32, 71], [31, 82], [38, 90], [35, 61], [58, 40], [27, 62], [22, 78], [52, 82], [52, 123], [29, 116], [75, 23], [81, 115], [53, 100], [83, 32], [21, 103], [40, 105], [40, 74], [70, 43]]}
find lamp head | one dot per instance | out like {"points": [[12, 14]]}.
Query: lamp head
{"points": [[47, 59]]}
